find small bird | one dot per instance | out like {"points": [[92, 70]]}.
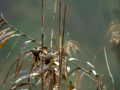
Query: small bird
{"points": [[35, 52], [48, 57]]}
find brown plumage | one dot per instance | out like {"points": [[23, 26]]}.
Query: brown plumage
{"points": [[35, 51]]}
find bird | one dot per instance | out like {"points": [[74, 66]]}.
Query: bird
{"points": [[36, 50], [48, 57]]}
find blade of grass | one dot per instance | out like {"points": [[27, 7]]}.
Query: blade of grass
{"points": [[80, 81], [35, 74], [7, 34], [71, 85], [8, 73], [75, 59], [9, 53], [21, 84], [5, 30], [19, 55], [22, 63], [76, 78], [4, 41]]}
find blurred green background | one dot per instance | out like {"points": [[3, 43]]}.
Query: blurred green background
{"points": [[87, 22]]}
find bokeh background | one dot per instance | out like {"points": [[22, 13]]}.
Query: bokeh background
{"points": [[87, 23]]}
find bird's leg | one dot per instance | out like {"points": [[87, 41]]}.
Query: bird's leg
{"points": [[36, 59]]}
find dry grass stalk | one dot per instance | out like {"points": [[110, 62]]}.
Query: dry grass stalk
{"points": [[80, 81], [63, 54], [42, 85], [51, 46], [108, 67], [96, 55], [60, 49], [52, 32], [76, 78]]}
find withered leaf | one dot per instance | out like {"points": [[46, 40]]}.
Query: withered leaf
{"points": [[80, 81], [5, 30], [6, 39], [14, 87], [75, 59], [76, 78], [3, 42], [71, 86], [7, 34], [89, 64]]}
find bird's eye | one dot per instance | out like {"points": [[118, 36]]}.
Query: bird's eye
{"points": [[36, 47]]}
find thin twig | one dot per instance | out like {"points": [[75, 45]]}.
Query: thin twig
{"points": [[51, 46], [42, 87], [60, 52], [96, 55], [80, 81], [52, 32], [108, 67], [73, 71], [63, 55]]}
